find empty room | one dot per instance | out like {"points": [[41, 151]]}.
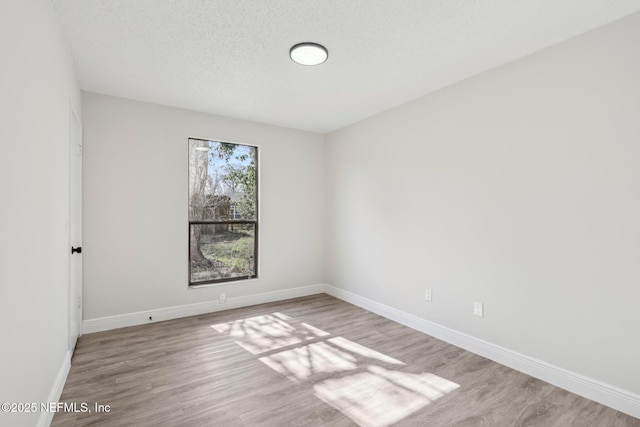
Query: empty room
{"points": [[320, 213]]}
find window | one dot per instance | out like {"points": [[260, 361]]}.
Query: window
{"points": [[235, 211], [223, 211]]}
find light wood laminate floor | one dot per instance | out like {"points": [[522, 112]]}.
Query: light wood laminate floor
{"points": [[308, 361]]}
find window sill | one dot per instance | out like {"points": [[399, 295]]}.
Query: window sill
{"points": [[230, 282]]}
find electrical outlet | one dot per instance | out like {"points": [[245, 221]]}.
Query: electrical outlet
{"points": [[222, 298], [478, 309], [427, 294]]}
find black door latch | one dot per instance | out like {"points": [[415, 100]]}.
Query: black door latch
{"points": [[77, 250]]}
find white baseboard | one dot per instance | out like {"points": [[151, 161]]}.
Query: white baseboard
{"points": [[598, 391], [142, 317], [56, 390]]}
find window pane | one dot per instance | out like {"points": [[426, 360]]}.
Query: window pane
{"points": [[222, 181], [222, 251]]}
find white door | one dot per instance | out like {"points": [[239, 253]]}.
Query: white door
{"points": [[75, 229]]}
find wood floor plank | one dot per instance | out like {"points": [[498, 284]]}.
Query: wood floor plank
{"points": [[312, 361]]}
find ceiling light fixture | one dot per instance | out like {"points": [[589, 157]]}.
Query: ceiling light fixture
{"points": [[308, 53]]}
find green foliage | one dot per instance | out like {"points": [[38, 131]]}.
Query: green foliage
{"points": [[223, 150], [231, 253], [243, 180]]}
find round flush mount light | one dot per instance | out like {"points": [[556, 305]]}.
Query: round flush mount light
{"points": [[308, 53]]}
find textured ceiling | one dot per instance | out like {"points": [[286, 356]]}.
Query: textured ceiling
{"points": [[231, 57]]}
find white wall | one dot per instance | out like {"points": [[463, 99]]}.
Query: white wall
{"points": [[37, 86], [519, 188], [135, 205]]}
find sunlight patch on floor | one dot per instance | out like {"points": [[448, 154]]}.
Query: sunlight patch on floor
{"points": [[364, 384], [269, 332], [333, 355], [382, 397], [300, 363], [362, 351]]}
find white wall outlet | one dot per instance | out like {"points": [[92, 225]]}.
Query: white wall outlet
{"points": [[222, 298], [427, 294], [478, 309]]}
